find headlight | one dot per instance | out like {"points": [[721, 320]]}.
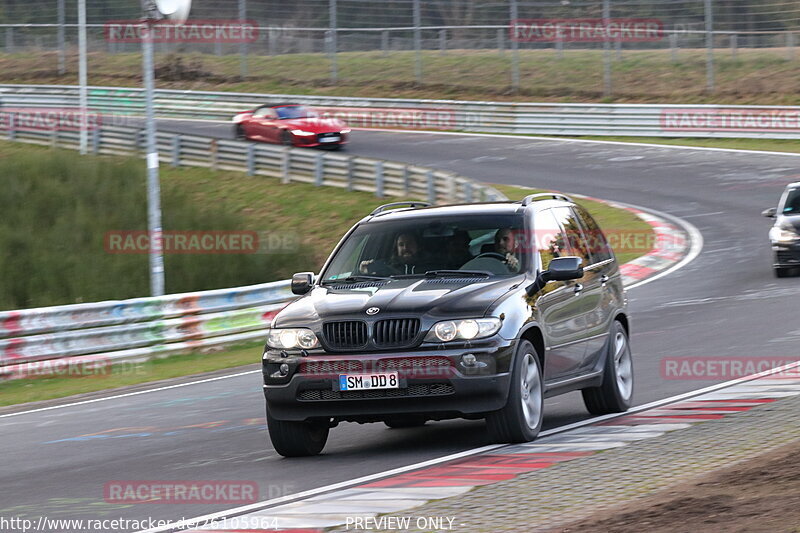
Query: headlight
{"points": [[346, 130], [784, 233], [465, 330], [287, 338], [302, 133], [240, 117]]}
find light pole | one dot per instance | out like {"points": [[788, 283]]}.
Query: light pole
{"points": [[151, 148], [84, 136]]}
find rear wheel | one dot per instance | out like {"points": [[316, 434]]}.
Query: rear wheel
{"points": [[405, 422], [297, 439], [521, 419], [615, 392]]}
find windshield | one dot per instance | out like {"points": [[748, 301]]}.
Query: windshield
{"points": [[292, 111], [791, 205], [448, 245]]}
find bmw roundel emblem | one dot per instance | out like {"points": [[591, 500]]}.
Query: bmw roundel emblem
{"points": [[373, 310]]}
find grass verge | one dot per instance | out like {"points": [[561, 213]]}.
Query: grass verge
{"points": [[754, 76]]}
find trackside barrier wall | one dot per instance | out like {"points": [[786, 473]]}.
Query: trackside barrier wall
{"points": [[452, 115]]}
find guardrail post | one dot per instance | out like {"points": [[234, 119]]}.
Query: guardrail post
{"points": [[790, 45], [176, 151], [618, 50], [453, 187], [734, 39], [286, 165], [559, 46], [9, 39], [319, 165], [251, 159], [431, 186], [468, 192], [53, 138], [442, 42], [214, 154], [351, 163], [12, 127], [406, 176], [379, 179], [96, 141]]}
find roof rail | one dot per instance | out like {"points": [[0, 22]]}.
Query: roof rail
{"points": [[542, 195], [386, 207]]}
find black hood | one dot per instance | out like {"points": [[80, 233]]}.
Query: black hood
{"points": [[438, 298]]}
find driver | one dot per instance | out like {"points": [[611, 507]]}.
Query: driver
{"points": [[505, 244]]}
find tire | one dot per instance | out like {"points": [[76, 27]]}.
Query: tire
{"points": [[782, 272], [615, 392], [405, 422], [286, 138], [521, 419], [238, 132], [296, 439]]}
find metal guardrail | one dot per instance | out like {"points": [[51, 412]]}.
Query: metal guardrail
{"points": [[137, 329], [451, 115]]}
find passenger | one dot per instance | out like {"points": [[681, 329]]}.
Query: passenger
{"points": [[406, 258]]}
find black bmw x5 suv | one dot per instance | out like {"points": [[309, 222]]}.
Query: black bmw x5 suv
{"points": [[465, 311]]}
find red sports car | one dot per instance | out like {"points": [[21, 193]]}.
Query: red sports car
{"points": [[291, 125]]}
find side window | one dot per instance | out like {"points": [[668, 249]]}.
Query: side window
{"points": [[260, 112], [568, 221], [550, 239], [598, 245]]}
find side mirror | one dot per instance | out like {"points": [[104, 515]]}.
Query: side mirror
{"points": [[563, 269], [302, 282], [770, 213]]}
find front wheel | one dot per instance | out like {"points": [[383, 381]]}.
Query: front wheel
{"points": [[297, 439], [783, 272], [521, 419], [616, 390], [286, 138], [238, 132]]}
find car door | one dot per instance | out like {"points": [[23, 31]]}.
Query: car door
{"points": [[559, 306], [602, 288]]}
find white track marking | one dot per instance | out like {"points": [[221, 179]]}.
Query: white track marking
{"points": [[94, 400]]}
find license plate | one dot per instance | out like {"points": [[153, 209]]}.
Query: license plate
{"points": [[334, 139], [384, 380]]}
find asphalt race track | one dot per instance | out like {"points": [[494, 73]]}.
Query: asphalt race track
{"points": [[724, 303]]}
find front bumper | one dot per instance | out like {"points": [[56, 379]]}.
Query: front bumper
{"points": [[433, 382], [786, 254], [312, 141]]}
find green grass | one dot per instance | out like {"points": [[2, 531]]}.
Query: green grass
{"points": [[255, 202], [769, 145], [47, 388], [756, 76]]}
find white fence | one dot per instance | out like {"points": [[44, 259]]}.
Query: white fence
{"points": [[117, 104]]}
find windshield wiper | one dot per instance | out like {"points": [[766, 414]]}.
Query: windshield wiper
{"points": [[457, 273], [353, 279], [446, 273]]}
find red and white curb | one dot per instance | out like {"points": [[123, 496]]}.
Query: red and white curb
{"points": [[402, 492], [672, 244]]}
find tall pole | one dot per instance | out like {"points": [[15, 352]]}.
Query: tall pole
{"points": [[709, 46], [332, 44], [514, 47], [153, 186], [417, 42], [243, 44], [84, 138], [62, 67], [606, 49]]}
